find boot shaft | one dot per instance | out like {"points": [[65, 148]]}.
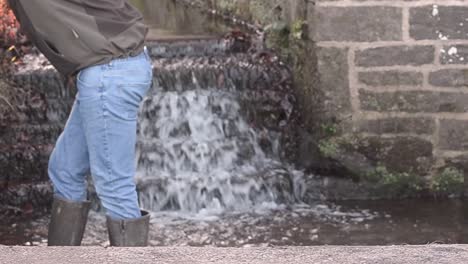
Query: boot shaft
{"points": [[68, 222], [129, 233]]}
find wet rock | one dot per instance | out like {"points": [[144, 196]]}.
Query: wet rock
{"points": [[22, 163], [35, 196]]}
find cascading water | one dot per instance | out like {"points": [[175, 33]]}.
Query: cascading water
{"points": [[198, 152]]}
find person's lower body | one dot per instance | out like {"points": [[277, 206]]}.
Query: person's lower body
{"points": [[100, 137]]}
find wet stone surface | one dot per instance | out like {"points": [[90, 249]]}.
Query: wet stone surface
{"points": [[352, 223]]}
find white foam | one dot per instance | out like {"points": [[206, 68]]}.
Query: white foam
{"points": [[435, 10]]}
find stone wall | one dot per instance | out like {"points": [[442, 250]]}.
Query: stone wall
{"points": [[405, 71], [382, 83], [407, 77], [29, 128]]}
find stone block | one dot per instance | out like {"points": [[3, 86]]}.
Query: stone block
{"points": [[455, 54], [438, 22], [391, 78], [420, 126], [360, 24], [414, 101], [453, 135], [395, 55], [401, 154], [449, 78], [334, 82]]}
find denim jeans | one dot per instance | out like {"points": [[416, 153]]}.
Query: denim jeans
{"points": [[100, 136]]}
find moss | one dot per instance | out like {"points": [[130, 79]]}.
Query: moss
{"points": [[278, 36], [330, 129], [374, 103], [396, 184], [334, 144], [227, 6], [297, 29], [261, 11], [449, 181], [328, 148], [288, 40]]}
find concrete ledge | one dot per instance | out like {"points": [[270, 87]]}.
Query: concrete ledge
{"points": [[327, 254]]}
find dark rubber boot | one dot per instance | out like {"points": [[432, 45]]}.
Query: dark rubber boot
{"points": [[129, 233], [68, 222]]}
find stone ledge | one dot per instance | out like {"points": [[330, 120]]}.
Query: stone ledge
{"points": [[323, 254]]}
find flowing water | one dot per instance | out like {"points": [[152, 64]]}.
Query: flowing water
{"points": [[196, 152]]}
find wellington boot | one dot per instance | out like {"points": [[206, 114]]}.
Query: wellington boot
{"points": [[68, 222], [129, 233]]}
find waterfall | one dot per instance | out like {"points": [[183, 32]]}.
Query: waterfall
{"points": [[198, 149]]}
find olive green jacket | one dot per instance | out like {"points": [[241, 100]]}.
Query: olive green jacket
{"points": [[75, 34]]}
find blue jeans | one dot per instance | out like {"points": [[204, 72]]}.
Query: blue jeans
{"points": [[100, 136]]}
